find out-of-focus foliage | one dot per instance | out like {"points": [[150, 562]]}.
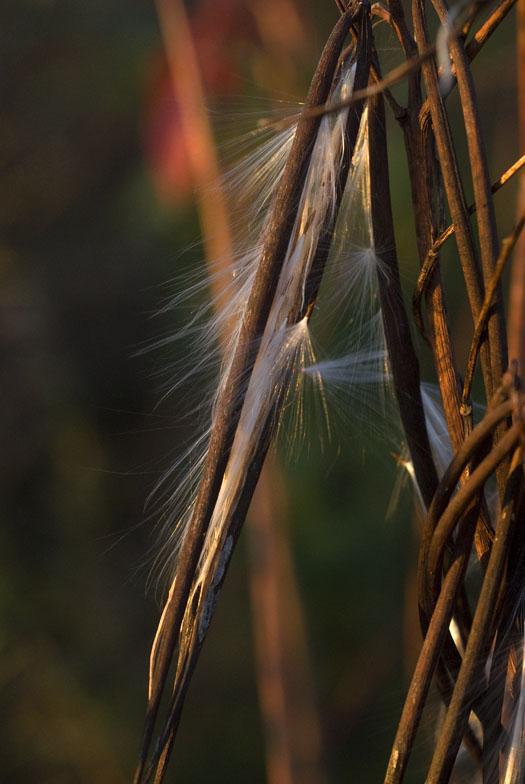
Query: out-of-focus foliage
{"points": [[96, 218]]}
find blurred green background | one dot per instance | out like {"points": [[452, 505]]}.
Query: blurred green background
{"points": [[97, 217]]}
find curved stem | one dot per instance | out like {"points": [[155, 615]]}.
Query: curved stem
{"points": [[480, 636]]}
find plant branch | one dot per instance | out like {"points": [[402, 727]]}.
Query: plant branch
{"points": [[428, 658], [402, 356], [232, 393], [517, 289], [482, 35], [396, 75], [479, 640], [473, 48], [485, 213], [432, 256], [507, 247]]}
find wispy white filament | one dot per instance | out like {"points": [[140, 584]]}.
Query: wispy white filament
{"points": [[284, 351], [282, 343], [438, 435]]}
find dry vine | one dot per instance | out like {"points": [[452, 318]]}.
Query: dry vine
{"points": [[473, 646]]}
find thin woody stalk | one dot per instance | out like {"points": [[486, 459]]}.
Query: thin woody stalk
{"points": [[233, 389], [292, 733], [428, 660], [229, 402], [479, 640], [428, 211], [485, 214], [431, 260], [419, 144], [517, 289], [301, 308], [402, 356], [453, 188], [440, 609]]}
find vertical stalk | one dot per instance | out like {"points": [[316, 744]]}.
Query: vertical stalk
{"points": [[402, 356], [478, 644], [229, 404], [423, 171], [284, 678], [485, 213], [453, 188], [232, 392], [517, 287], [292, 732]]}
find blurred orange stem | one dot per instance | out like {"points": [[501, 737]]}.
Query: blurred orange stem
{"points": [[284, 677], [187, 87]]}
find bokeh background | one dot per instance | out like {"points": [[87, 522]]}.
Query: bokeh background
{"points": [[98, 217]]}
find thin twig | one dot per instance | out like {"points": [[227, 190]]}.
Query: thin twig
{"points": [[429, 265], [392, 78], [428, 659], [473, 48], [479, 640], [428, 210], [507, 247], [516, 324], [485, 213], [456, 507], [402, 356], [452, 477], [453, 188], [482, 35]]}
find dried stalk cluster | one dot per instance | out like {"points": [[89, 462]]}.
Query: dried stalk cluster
{"points": [[473, 645]]}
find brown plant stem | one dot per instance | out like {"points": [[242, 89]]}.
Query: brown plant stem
{"points": [[232, 393], [448, 484], [482, 35], [428, 212], [507, 247], [432, 256], [485, 214], [402, 356], [480, 636], [517, 286], [233, 390], [479, 39], [457, 505], [428, 659], [453, 188], [438, 610], [293, 718]]}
